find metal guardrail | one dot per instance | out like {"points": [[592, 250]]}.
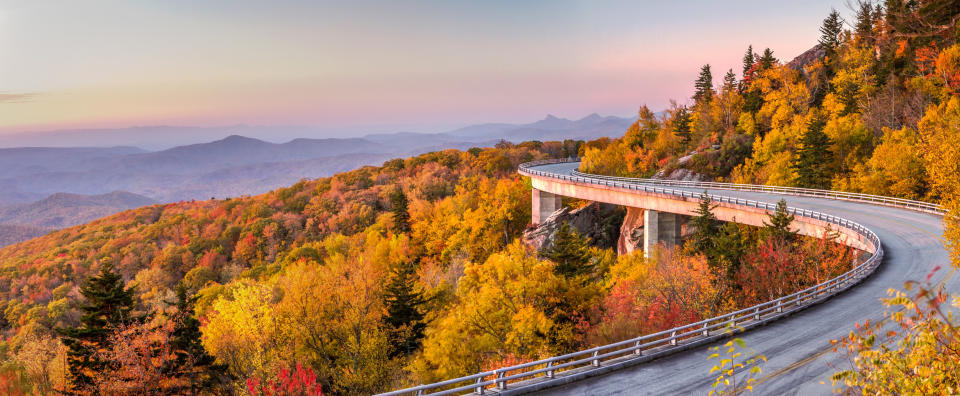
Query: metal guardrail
{"points": [[671, 340]]}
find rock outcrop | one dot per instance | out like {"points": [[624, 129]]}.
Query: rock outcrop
{"points": [[631, 232], [600, 222]]}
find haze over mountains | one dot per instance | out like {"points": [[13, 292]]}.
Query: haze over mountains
{"points": [[44, 188], [156, 138]]}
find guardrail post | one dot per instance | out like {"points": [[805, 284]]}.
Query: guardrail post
{"points": [[673, 337], [480, 388], [637, 351], [706, 331], [756, 314], [501, 383], [596, 362], [549, 372], [779, 306], [421, 392]]}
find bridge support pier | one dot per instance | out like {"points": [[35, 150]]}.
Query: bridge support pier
{"points": [[660, 227], [544, 204]]}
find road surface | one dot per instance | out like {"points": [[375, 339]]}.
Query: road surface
{"points": [[798, 347]]}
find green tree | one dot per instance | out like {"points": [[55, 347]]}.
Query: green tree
{"points": [[811, 162], [779, 223], [729, 81], [191, 361], [706, 228], [404, 314], [681, 124], [749, 59], [703, 93], [830, 33], [767, 60], [865, 20], [109, 305], [570, 251], [401, 213], [725, 256]]}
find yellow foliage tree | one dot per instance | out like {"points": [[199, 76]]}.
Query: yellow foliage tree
{"points": [[505, 308]]}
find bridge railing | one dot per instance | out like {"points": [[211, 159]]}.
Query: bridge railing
{"points": [[669, 341]]}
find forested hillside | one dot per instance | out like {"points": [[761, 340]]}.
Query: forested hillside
{"points": [[414, 271]]}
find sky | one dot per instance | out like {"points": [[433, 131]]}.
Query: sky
{"points": [[359, 66]]}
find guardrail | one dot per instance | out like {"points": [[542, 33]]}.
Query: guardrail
{"points": [[672, 340]]}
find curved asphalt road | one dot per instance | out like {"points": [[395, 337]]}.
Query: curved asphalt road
{"points": [[798, 347]]}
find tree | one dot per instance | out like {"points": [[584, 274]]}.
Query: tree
{"points": [[109, 305], [729, 81], [404, 316], [811, 162], [767, 60], [570, 251], [401, 214], [749, 59], [191, 363], [779, 223], [703, 93], [681, 124], [865, 21], [830, 33], [706, 227]]}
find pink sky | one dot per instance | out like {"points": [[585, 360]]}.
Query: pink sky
{"points": [[424, 64]]}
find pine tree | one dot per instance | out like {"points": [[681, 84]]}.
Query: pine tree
{"points": [[729, 81], [401, 214], [748, 60], [569, 251], [767, 60], [779, 223], [191, 361], [109, 305], [706, 228], [404, 315], [830, 33], [811, 162], [681, 124], [865, 21], [703, 93]]}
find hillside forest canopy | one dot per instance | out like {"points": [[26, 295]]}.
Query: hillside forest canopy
{"points": [[417, 271]]}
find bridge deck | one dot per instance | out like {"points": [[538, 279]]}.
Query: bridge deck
{"points": [[798, 347]]}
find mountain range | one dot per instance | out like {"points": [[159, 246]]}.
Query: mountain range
{"points": [[45, 188]]}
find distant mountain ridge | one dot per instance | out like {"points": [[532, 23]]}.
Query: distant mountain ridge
{"points": [[155, 138], [65, 209], [44, 188]]}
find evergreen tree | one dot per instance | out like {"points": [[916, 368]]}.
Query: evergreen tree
{"points": [[811, 162], [401, 214], [779, 223], [726, 254], [681, 124], [723, 245], [706, 228], [570, 251], [109, 304], [191, 361], [704, 86], [729, 81], [865, 21], [748, 60], [830, 33], [767, 60], [404, 315]]}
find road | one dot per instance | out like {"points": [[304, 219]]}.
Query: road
{"points": [[798, 347]]}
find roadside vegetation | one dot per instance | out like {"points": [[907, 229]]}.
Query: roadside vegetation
{"points": [[415, 271]]}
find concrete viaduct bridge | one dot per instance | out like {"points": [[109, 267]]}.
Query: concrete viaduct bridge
{"points": [[903, 239]]}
